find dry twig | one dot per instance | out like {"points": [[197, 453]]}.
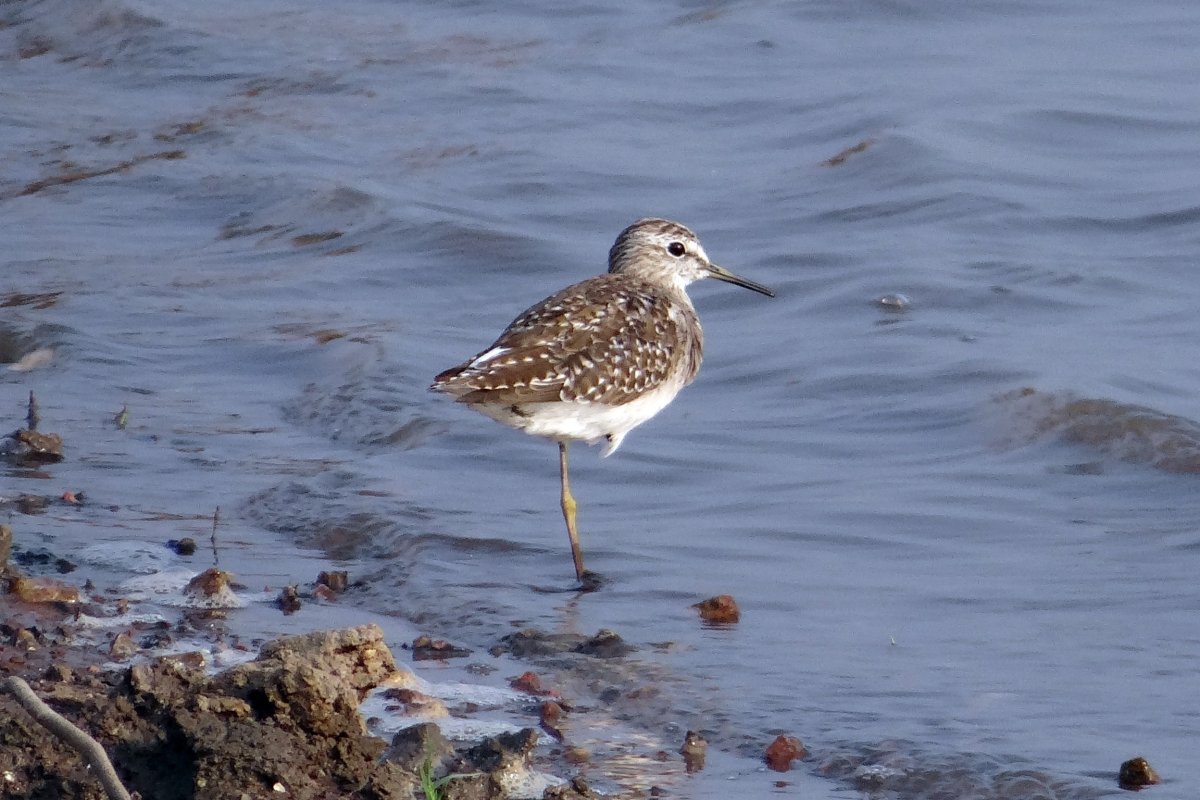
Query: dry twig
{"points": [[61, 727]]}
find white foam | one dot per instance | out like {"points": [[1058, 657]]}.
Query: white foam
{"points": [[167, 587], [132, 556]]}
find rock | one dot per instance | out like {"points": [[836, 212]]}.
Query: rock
{"points": [[497, 767], [42, 590], [532, 643], [58, 673], [317, 679], [184, 547], [1137, 773], [336, 580], [781, 752], [414, 745], [576, 789], [288, 719], [495, 751], [694, 749], [210, 589], [27, 640], [549, 715], [32, 447], [469, 786], [427, 649], [605, 644], [894, 301], [719, 610], [288, 600], [32, 503], [529, 683], [122, 646], [5, 547], [416, 703]]}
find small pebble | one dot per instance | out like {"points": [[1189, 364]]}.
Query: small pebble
{"points": [[1137, 773], [184, 547], [288, 600], [336, 580], [783, 751], [426, 649], [893, 302], [693, 750], [719, 610]]}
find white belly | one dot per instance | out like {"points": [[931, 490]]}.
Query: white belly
{"points": [[586, 422]]}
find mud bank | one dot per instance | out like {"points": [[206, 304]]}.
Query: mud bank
{"points": [[284, 725]]}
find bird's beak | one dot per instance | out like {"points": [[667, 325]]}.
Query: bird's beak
{"points": [[722, 274]]}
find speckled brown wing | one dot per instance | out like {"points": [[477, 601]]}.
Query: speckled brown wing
{"points": [[606, 340]]}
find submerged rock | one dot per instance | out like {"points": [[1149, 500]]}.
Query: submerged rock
{"points": [[577, 789], [416, 745], [605, 644], [211, 589], [1137, 773], [425, 648], [288, 599], [719, 610], [335, 580], [533, 643], [30, 447], [783, 751], [694, 749]]}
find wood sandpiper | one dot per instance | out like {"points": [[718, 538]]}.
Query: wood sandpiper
{"points": [[599, 358]]}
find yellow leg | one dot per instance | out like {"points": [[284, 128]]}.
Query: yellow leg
{"points": [[568, 509]]}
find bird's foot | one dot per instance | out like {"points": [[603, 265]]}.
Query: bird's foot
{"points": [[588, 582]]}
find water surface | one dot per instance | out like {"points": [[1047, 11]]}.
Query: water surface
{"points": [[272, 223]]}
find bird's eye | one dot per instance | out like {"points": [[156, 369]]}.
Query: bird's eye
{"points": [[676, 249]]}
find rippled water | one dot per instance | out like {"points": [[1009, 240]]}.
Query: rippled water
{"points": [[272, 223]]}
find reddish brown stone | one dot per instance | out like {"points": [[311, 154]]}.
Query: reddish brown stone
{"points": [[207, 583], [783, 751], [548, 717], [530, 683], [719, 610], [335, 580]]}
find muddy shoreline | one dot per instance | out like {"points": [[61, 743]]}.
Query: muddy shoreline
{"points": [[286, 723], [158, 670]]}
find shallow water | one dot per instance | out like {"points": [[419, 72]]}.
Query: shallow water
{"points": [[922, 572]]}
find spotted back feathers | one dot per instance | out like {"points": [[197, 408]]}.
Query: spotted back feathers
{"points": [[606, 340]]}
